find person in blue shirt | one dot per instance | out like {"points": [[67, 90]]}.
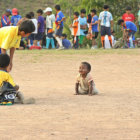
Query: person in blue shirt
{"points": [[129, 30], [66, 43], [59, 25], [83, 26], [94, 28], [5, 21], [16, 17]]}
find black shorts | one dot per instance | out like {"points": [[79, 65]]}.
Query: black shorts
{"points": [[39, 36], [32, 37], [59, 32], [105, 31], [49, 35], [95, 35]]}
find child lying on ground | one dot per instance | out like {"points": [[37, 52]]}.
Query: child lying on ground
{"points": [[85, 83], [6, 77]]}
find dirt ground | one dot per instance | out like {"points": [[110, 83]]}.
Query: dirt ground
{"points": [[58, 114]]}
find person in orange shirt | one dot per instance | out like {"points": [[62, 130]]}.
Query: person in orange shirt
{"points": [[76, 30]]}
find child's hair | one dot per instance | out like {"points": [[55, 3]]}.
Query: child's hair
{"points": [[27, 26], [120, 21], [32, 14], [94, 11], [88, 65], [106, 7], [128, 8], [64, 35], [76, 14], [83, 11], [57, 7], [28, 16], [4, 60], [40, 11]]}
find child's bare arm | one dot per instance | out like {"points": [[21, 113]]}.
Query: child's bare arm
{"points": [[90, 88], [76, 88], [16, 87]]}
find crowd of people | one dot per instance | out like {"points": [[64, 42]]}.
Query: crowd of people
{"points": [[49, 29]]}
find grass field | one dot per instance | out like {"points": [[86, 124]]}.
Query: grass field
{"points": [[58, 114]]}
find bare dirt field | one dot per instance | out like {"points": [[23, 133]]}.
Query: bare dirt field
{"points": [[58, 114]]}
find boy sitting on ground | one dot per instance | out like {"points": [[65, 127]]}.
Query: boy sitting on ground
{"points": [[6, 77], [66, 43], [84, 82]]}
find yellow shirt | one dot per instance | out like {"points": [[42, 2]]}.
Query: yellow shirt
{"points": [[9, 37], [5, 76]]}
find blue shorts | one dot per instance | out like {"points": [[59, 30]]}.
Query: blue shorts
{"points": [[105, 31], [39, 36], [59, 32], [0, 50]]}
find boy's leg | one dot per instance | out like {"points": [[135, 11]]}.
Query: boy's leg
{"points": [[48, 40], [95, 90], [52, 43], [81, 38], [103, 32], [108, 31], [77, 42], [58, 35]]}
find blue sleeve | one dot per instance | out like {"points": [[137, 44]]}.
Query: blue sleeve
{"points": [[12, 19], [100, 17]]}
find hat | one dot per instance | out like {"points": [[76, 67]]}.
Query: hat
{"points": [[9, 11], [48, 9], [14, 11]]}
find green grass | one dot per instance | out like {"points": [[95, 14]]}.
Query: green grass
{"points": [[81, 52]]}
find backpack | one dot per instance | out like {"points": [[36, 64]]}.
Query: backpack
{"points": [[7, 93]]}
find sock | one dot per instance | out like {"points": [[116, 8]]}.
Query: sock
{"points": [[48, 42], [110, 40], [52, 43], [103, 40], [59, 40]]}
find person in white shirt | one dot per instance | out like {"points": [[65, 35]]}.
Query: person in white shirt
{"points": [[106, 22], [50, 20], [32, 36]]}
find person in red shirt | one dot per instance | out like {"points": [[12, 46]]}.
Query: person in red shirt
{"points": [[128, 16]]}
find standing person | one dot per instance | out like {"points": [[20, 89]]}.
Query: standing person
{"points": [[50, 20], [128, 16], [94, 28], [106, 22], [129, 31], [10, 37], [59, 21], [15, 17], [76, 30], [39, 35], [31, 38], [83, 26], [139, 18], [5, 21]]}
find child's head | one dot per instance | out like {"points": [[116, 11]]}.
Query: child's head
{"points": [[14, 11], [106, 7], [32, 14], [93, 12], [121, 22], [128, 9], [26, 28], [8, 12], [83, 13], [4, 61], [84, 68], [39, 12], [48, 11], [28, 16], [57, 8], [64, 36], [76, 15]]}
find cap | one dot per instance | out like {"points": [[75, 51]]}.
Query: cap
{"points": [[14, 11], [8, 10], [48, 9]]}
